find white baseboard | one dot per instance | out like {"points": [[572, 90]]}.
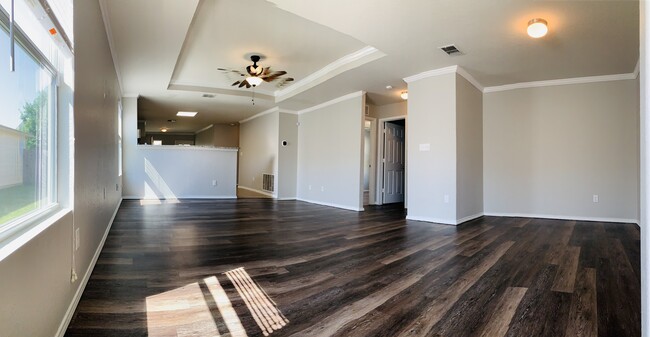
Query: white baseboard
{"points": [[135, 197], [84, 281], [286, 199], [434, 220], [469, 218], [356, 209], [562, 217], [258, 191]]}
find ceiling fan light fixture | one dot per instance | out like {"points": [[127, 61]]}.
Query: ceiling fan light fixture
{"points": [[254, 80], [404, 95], [537, 28]]}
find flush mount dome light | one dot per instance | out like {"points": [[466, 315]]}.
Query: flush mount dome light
{"points": [[537, 28], [186, 114], [254, 80], [163, 130], [404, 95]]}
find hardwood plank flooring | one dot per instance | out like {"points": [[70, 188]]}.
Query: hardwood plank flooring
{"points": [[259, 267]]}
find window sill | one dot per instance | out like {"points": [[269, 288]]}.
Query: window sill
{"points": [[22, 233]]}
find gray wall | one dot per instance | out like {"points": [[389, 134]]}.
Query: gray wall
{"points": [[330, 155], [219, 135], [35, 285], [432, 173], [288, 156], [548, 150], [258, 143], [469, 142]]}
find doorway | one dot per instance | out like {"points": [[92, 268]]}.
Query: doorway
{"points": [[392, 161], [369, 160]]}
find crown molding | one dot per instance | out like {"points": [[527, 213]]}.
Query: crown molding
{"points": [[333, 101], [345, 63], [266, 112], [103, 8], [462, 72], [446, 70], [564, 81], [204, 129], [431, 73]]}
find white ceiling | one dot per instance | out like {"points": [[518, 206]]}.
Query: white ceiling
{"points": [[167, 51]]}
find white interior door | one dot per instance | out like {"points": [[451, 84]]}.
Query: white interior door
{"points": [[393, 188]]}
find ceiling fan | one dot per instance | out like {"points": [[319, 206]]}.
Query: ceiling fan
{"points": [[256, 74]]}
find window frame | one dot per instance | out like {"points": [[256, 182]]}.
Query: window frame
{"points": [[14, 228]]}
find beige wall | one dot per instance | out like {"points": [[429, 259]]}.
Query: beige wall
{"points": [[35, 285], [288, 156], [431, 184], [548, 150], [205, 137], [389, 110], [258, 152], [469, 142], [330, 154]]}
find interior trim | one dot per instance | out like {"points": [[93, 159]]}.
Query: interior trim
{"points": [[345, 63], [562, 217], [265, 112], [332, 101], [82, 286], [564, 81], [111, 44]]}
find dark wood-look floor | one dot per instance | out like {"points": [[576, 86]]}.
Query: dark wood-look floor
{"points": [[263, 267]]}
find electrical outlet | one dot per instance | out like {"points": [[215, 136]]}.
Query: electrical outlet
{"points": [[446, 198], [214, 182], [595, 198], [77, 240]]}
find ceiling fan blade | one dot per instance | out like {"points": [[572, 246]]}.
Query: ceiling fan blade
{"points": [[266, 71], [236, 83], [248, 85], [243, 83], [273, 76], [284, 81]]}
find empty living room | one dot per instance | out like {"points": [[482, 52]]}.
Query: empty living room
{"points": [[322, 168]]}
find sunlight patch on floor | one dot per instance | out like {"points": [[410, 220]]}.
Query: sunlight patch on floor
{"points": [[261, 306]]}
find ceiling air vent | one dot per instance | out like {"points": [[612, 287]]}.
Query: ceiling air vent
{"points": [[451, 50], [208, 95]]}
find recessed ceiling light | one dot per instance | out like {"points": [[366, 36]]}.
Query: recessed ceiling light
{"points": [[537, 28], [404, 95], [388, 87], [186, 114], [163, 130]]}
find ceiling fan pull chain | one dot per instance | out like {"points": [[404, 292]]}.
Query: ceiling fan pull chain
{"points": [[253, 96]]}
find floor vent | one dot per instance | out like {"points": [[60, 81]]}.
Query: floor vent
{"points": [[268, 182]]}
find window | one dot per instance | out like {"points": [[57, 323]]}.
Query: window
{"points": [[27, 132]]}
